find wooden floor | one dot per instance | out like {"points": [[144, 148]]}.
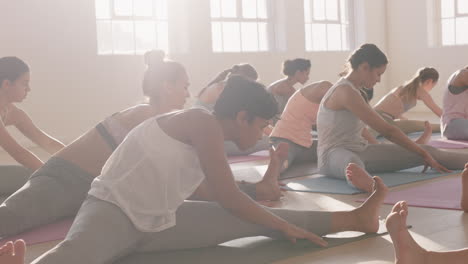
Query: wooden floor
{"points": [[434, 229]]}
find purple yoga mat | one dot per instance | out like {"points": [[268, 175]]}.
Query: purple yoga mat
{"points": [[261, 155], [46, 233], [443, 194], [448, 144]]}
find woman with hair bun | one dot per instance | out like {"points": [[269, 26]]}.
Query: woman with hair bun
{"points": [[401, 99], [296, 71], [14, 87]]}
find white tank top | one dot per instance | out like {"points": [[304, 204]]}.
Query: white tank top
{"points": [[149, 176], [338, 128]]}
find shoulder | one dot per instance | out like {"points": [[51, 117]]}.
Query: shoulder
{"points": [[16, 114]]}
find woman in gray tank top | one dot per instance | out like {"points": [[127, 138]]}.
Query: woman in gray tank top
{"points": [[343, 113]]}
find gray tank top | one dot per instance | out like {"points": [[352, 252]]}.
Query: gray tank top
{"points": [[338, 128]]}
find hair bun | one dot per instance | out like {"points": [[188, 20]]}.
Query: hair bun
{"points": [[154, 57]]}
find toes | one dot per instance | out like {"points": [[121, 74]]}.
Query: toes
{"points": [[20, 247]]}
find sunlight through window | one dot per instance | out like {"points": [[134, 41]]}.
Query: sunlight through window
{"points": [[454, 22]]}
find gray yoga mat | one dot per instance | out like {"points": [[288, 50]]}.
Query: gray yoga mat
{"points": [[322, 184], [252, 250]]}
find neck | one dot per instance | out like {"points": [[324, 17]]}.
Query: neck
{"points": [[291, 81], [160, 107], [355, 79], [4, 102], [229, 128]]}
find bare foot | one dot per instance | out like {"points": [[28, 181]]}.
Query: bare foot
{"points": [[359, 178], [367, 215], [269, 188], [406, 249], [464, 198], [13, 253], [426, 136]]}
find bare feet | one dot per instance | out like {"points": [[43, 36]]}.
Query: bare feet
{"points": [[464, 198], [367, 215], [426, 136], [359, 178], [269, 188], [13, 253], [406, 249]]}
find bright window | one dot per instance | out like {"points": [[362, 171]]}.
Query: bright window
{"points": [[131, 26], [240, 25], [454, 22], [327, 24]]}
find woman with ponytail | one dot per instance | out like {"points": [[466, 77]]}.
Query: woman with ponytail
{"points": [[401, 99], [343, 113], [454, 120], [14, 87]]}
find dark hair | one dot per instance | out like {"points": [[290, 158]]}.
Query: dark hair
{"points": [[290, 67], [245, 70], [369, 53], [367, 93], [241, 94], [410, 88], [11, 68], [159, 71]]}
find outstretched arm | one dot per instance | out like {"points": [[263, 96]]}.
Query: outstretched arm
{"points": [[24, 124], [429, 102]]}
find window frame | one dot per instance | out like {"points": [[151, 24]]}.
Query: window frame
{"points": [[439, 23]]}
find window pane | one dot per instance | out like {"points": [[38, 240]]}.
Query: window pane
{"points": [[216, 37], [463, 6], [104, 37], [215, 7], [102, 9], [345, 37], [231, 36], [307, 14], [249, 36], [319, 9], [319, 34], [332, 9], [447, 8], [123, 7], [462, 30], [263, 36], [228, 8], [262, 7], [249, 8], [122, 33], [161, 9], [448, 31], [145, 36], [344, 11], [143, 8], [334, 36], [162, 36], [308, 37]]}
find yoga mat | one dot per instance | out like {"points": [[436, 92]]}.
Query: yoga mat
{"points": [[252, 250], [448, 144], [322, 184], [443, 194], [46, 233], [255, 173], [261, 155]]}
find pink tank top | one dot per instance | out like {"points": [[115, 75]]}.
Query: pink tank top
{"points": [[455, 106], [296, 121]]}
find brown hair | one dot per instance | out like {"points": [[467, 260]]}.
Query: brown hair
{"points": [[11, 68], [410, 88], [369, 53], [290, 67]]}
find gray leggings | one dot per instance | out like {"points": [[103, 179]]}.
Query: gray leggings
{"points": [[457, 129], [93, 240], [12, 177], [53, 192], [387, 157], [297, 153], [232, 150]]}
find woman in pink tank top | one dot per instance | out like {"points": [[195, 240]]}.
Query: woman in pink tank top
{"points": [[454, 120]]}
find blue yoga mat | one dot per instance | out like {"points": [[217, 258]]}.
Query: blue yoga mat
{"points": [[323, 184], [252, 250]]}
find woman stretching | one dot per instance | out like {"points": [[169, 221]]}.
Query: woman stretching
{"points": [[454, 121], [401, 99], [343, 113], [296, 71], [208, 96], [14, 87], [143, 185]]}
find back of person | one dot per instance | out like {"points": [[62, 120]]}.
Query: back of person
{"points": [[393, 104], [455, 106], [330, 135]]}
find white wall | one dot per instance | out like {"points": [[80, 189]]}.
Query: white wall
{"points": [[409, 26], [73, 88]]}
